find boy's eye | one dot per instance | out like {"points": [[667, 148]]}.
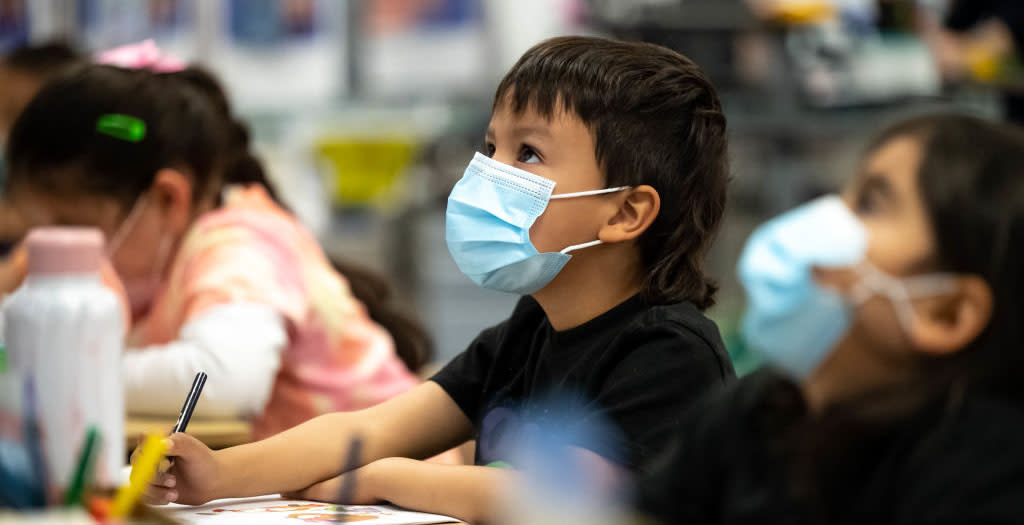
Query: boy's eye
{"points": [[489, 149], [528, 155]]}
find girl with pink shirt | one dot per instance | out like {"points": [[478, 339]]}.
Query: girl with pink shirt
{"points": [[218, 277]]}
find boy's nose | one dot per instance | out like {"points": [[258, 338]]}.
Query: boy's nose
{"points": [[505, 157]]}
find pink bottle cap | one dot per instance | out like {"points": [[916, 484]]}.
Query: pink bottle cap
{"points": [[54, 250]]}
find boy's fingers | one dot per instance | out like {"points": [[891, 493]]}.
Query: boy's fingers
{"points": [[160, 495], [164, 480], [183, 445]]}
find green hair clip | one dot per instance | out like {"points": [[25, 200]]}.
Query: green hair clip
{"points": [[124, 127]]}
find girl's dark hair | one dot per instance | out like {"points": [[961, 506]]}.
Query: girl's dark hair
{"points": [[655, 119], [413, 343], [240, 165], [54, 144], [971, 185], [42, 60]]}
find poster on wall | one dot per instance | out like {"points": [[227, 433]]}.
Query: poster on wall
{"points": [[109, 23], [272, 22], [394, 16], [297, 43], [14, 24], [403, 39]]}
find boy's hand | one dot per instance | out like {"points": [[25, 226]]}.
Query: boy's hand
{"points": [[329, 490], [190, 479]]}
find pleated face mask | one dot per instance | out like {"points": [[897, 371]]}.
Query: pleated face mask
{"points": [[487, 226], [793, 321]]}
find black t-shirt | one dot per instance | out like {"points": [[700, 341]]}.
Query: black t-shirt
{"points": [[958, 460], [965, 14], [637, 366]]}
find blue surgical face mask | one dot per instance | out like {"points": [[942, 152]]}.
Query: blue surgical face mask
{"points": [[791, 320], [487, 226]]}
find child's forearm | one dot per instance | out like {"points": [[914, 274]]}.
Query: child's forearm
{"points": [[470, 493], [291, 460], [420, 423]]}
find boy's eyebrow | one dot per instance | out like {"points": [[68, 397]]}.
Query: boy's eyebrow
{"points": [[532, 130], [521, 131]]}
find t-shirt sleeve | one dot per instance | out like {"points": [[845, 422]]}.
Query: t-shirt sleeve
{"points": [[648, 391], [465, 376]]}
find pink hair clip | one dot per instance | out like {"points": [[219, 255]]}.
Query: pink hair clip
{"points": [[144, 55]]}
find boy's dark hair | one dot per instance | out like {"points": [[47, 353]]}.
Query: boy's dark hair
{"points": [[656, 120], [42, 60]]}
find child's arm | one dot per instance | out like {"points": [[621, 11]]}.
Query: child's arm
{"points": [[419, 423], [469, 493], [238, 344], [472, 494]]}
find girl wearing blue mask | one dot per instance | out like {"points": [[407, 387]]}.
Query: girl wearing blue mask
{"points": [[890, 318]]}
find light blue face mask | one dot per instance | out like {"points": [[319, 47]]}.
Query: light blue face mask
{"points": [[487, 226], [791, 320]]}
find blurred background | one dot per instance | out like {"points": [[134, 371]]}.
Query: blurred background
{"points": [[367, 111]]}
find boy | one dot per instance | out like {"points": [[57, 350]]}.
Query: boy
{"points": [[633, 138]]}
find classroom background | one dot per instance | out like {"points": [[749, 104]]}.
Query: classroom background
{"points": [[367, 111]]}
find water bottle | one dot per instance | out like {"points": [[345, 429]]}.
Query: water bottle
{"points": [[64, 330]]}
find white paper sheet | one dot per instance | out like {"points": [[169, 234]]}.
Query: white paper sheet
{"points": [[272, 510]]}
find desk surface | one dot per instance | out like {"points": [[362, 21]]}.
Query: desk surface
{"points": [[215, 433]]}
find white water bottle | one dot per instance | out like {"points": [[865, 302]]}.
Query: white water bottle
{"points": [[64, 330]]}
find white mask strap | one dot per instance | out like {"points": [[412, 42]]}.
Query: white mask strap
{"points": [[901, 292], [160, 264], [126, 226], [930, 285], [581, 246], [589, 193]]}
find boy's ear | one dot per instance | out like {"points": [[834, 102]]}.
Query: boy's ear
{"points": [[172, 195], [637, 211], [946, 325]]}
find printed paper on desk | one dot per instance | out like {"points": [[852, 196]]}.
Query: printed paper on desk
{"points": [[274, 510]]}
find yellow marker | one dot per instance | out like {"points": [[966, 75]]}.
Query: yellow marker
{"points": [[143, 470]]}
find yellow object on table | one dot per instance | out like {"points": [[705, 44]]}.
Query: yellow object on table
{"points": [[142, 473], [215, 433]]}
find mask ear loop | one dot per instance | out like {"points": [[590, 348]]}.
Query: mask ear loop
{"points": [[161, 256], [126, 226], [923, 286], [581, 246], [901, 292], [586, 194], [589, 193]]}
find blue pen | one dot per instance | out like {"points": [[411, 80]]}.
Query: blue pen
{"points": [[33, 442]]}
